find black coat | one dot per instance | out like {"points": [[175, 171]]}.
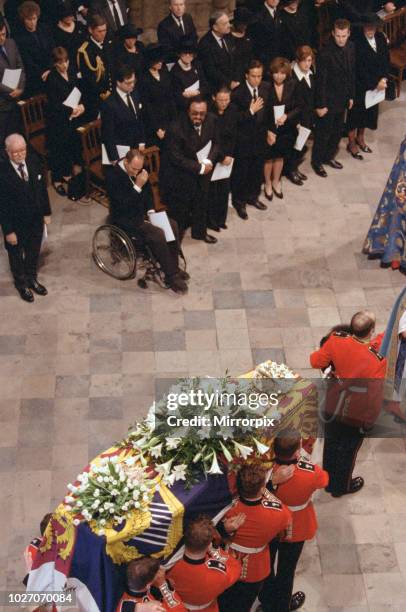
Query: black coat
{"points": [[182, 79], [135, 61], [285, 134], [295, 31], [159, 103], [265, 35], [128, 207], [23, 204], [353, 9], [242, 55], [371, 66], [335, 77], [306, 99], [217, 63], [102, 7], [227, 129], [120, 125], [251, 129], [35, 49], [170, 34], [71, 41]]}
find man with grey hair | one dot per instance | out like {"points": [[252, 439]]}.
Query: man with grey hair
{"points": [[177, 25], [24, 209], [216, 50]]}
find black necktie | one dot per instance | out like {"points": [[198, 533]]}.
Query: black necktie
{"points": [[180, 21], [115, 14], [223, 45], [131, 104], [255, 95], [4, 54], [22, 172]]}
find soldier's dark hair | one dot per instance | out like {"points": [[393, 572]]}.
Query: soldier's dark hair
{"points": [[342, 24], [140, 572], [362, 323], [199, 533], [251, 480], [96, 20], [124, 72], [44, 523], [286, 443]]}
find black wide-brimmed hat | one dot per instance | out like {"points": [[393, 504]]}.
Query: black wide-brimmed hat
{"points": [[186, 45], [129, 31], [154, 53], [66, 10], [369, 19], [242, 16]]}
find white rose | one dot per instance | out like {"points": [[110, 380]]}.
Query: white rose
{"points": [[96, 492], [103, 522], [137, 504], [76, 522], [125, 489], [111, 510], [99, 479], [79, 504]]}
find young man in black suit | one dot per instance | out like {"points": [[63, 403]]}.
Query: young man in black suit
{"points": [[184, 179], [335, 92], [130, 197], [265, 32], [250, 98], [177, 25], [121, 115], [216, 52], [115, 13], [24, 208]]}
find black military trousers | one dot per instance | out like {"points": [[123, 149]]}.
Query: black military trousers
{"points": [[277, 589], [327, 135], [23, 257], [239, 597], [341, 445]]}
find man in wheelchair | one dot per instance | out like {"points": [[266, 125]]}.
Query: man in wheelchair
{"points": [[131, 198]]}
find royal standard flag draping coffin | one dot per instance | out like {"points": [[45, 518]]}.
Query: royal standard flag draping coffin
{"points": [[76, 557]]}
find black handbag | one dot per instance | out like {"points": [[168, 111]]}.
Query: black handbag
{"points": [[390, 92], [77, 187]]}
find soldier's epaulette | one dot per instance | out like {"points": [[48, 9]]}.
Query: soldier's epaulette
{"points": [[83, 47], [305, 465], [376, 353], [271, 502], [341, 334], [217, 565]]}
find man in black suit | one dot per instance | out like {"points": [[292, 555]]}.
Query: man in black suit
{"points": [[250, 98], [115, 13], [265, 32], [121, 116], [9, 58], [177, 25], [216, 52], [94, 63], [184, 179], [24, 208], [335, 92], [131, 199]]}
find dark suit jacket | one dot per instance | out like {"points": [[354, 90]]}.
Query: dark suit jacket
{"points": [[102, 7], [217, 63], [335, 78], [120, 125], [23, 204], [170, 34], [127, 207], [159, 102], [14, 61], [265, 35], [182, 79], [306, 97], [291, 102], [371, 66], [227, 129], [35, 49], [251, 128], [295, 31]]}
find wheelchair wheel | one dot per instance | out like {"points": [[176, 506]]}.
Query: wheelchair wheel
{"points": [[113, 252]]}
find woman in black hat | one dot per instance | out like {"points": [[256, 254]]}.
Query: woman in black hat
{"points": [[372, 71], [243, 52], [187, 75], [68, 33], [157, 94], [128, 50]]}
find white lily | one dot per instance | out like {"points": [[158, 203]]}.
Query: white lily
{"points": [[242, 450], [130, 461], [156, 451], [173, 443], [179, 471], [215, 468], [197, 457], [164, 468], [169, 480], [261, 448], [226, 452]]}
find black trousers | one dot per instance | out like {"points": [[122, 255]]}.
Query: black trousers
{"points": [[189, 209], [277, 589], [166, 253], [218, 202], [23, 257], [341, 445], [327, 135], [239, 597], [246, 179]]}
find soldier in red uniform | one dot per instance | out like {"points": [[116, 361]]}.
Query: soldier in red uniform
{"points": [[296, 493], [147, 583], [265, 517], [203, 574], [354, 398]]}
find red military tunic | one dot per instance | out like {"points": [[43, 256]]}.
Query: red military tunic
{"points": [[265, 519], [361, 370], [200, 582], [296, 494], [170, 600]]}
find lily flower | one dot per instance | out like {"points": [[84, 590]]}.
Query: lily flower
{"points": [[241, 449], [215, 468], [261, 448]]}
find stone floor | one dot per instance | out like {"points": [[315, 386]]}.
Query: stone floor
{"points": [[78, 366]]}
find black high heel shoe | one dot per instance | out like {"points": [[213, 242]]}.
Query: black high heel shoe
{"points": [[278, 194], [364, 148], [268, 197], [354, 155]]}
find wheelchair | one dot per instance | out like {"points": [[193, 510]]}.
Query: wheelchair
{"points": [[122, 256]]}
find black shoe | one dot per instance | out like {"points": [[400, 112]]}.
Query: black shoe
{"points": [[224, 226], [241, 211], [355, 486], [210, 239], [278, 194], [268, 197], [294, 178], [60, 190], [38, 288], [354, 155], [364, 148], [319, 170], [213, 227], [184, 275], [302, 176], [333, 163], [259, 205], [177, 284], [297, 600], [26, 294]]}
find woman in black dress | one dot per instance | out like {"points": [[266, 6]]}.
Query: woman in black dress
{"points": [[68, 33], [372, 70], [186, 73], [157, 95], [62, 121], [128, 50], [282, 132]]}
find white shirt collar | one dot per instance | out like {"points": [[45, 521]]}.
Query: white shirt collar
{"points": [[271, 10], [122, 166], [218, 38], [100, 45], [15, 166], [251, 89], [372, 42], [184, 67], [122, 94], [120, 15], [177, 20], [301, 75]]}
